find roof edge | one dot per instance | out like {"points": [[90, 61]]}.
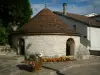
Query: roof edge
{"points": [[31, 33], [88, 24]]}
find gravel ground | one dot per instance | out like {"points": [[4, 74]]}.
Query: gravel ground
{"points": [[84, 70], [9, 66]]}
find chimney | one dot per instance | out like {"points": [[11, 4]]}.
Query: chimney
{"points": [[64, 8]]}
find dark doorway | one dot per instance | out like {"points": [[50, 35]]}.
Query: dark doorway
{"points": [[70, 47], [68, 50], [21, 46]]}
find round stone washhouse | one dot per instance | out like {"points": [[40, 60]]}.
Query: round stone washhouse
{"points": [[47, 34]]}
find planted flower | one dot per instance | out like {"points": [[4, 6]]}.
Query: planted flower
{"points": [[58, 59]]}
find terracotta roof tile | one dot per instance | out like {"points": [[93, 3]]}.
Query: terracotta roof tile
{"points": [[46, 22]]}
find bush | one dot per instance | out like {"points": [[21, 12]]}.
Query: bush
{"points": [[3, 36]]}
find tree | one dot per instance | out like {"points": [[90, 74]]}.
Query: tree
{"points": [[15, 12]]}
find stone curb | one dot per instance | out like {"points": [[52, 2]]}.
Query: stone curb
{"points": [[50, 68], [77, 65], [60, 71]]}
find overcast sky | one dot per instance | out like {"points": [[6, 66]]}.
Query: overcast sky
{"points": [[73, 6]]}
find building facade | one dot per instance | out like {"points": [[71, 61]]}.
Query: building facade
{"points": [[58, 34]]}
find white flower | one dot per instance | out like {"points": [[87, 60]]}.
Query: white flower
{"points": [[41, 54]]}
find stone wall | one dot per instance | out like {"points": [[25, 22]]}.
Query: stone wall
{"points": [[82, 52], [7, 50], [49, 45]]}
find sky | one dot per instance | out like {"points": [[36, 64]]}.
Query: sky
{"points": [[81, 7]]}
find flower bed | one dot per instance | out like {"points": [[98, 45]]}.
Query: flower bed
{"points": [[57, 59]]}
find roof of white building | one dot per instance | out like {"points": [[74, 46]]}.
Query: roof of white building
{"points": [[87, 20]]}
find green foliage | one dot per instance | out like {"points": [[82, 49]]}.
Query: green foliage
{"points": [[3, 35], [17, 12], [30, 57], [13, 12]]}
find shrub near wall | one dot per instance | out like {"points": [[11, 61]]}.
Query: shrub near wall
{"points": [[34, 60]]}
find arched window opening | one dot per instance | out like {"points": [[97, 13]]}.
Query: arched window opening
{"points": [[70, 47]]}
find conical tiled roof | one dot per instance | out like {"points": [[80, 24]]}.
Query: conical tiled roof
{"points": [[46, 22]]}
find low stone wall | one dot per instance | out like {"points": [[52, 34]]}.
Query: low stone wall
{"points": [[94, 52], [7, 50], [83, 52]]}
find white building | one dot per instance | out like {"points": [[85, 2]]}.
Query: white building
{"points": [[88, 27], [58, 34], [91, 15]]}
